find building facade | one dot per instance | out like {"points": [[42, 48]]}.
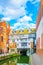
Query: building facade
{"points": [[39, 28], [4, 45], [12, 42], [24, 40]]}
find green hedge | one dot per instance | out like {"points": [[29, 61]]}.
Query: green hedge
{"points": [[8, 56]]}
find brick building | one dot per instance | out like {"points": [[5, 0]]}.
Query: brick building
{"points": [[39, 28], [4, 31]]}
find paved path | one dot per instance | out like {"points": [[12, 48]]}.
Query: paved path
{"points": [[37, 60]]}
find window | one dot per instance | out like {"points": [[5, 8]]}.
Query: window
{"points": [[17, 39], [24, 44], [23, 39], [1, 38], [1, 30]]}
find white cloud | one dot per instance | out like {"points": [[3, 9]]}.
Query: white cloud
{"points": [[18, 3], [32, 25], [23, 23], [15, 26], [23, 26], [6, 19], [1, 9], [13, 9], [27, 18], [14, 13]]}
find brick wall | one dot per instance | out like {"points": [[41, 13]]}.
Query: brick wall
{"points": [[38, 43], [42, 40], [39, 28]]}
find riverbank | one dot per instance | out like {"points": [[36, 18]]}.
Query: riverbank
{"points": [[17, 60], [7, 55]]}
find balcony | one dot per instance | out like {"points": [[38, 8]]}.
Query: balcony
{"points": [[25, 46]]}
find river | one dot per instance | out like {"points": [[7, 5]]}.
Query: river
{"points": [[20, 60]]}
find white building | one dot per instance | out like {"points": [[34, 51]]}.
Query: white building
{"points": [[23, 41]]}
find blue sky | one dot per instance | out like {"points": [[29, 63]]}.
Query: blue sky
{"points": [[21, 14]]}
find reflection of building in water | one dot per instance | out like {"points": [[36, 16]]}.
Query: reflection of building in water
{"points": [[39, 28], [24, 40], [22, 64]]}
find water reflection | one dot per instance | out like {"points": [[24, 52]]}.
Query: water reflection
{"points": [[22, 64], [21, 60]]}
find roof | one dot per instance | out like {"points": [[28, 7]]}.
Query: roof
{"points": [[25, 31]]}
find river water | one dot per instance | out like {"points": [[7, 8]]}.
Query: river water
{"points": [[20, 60]]}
